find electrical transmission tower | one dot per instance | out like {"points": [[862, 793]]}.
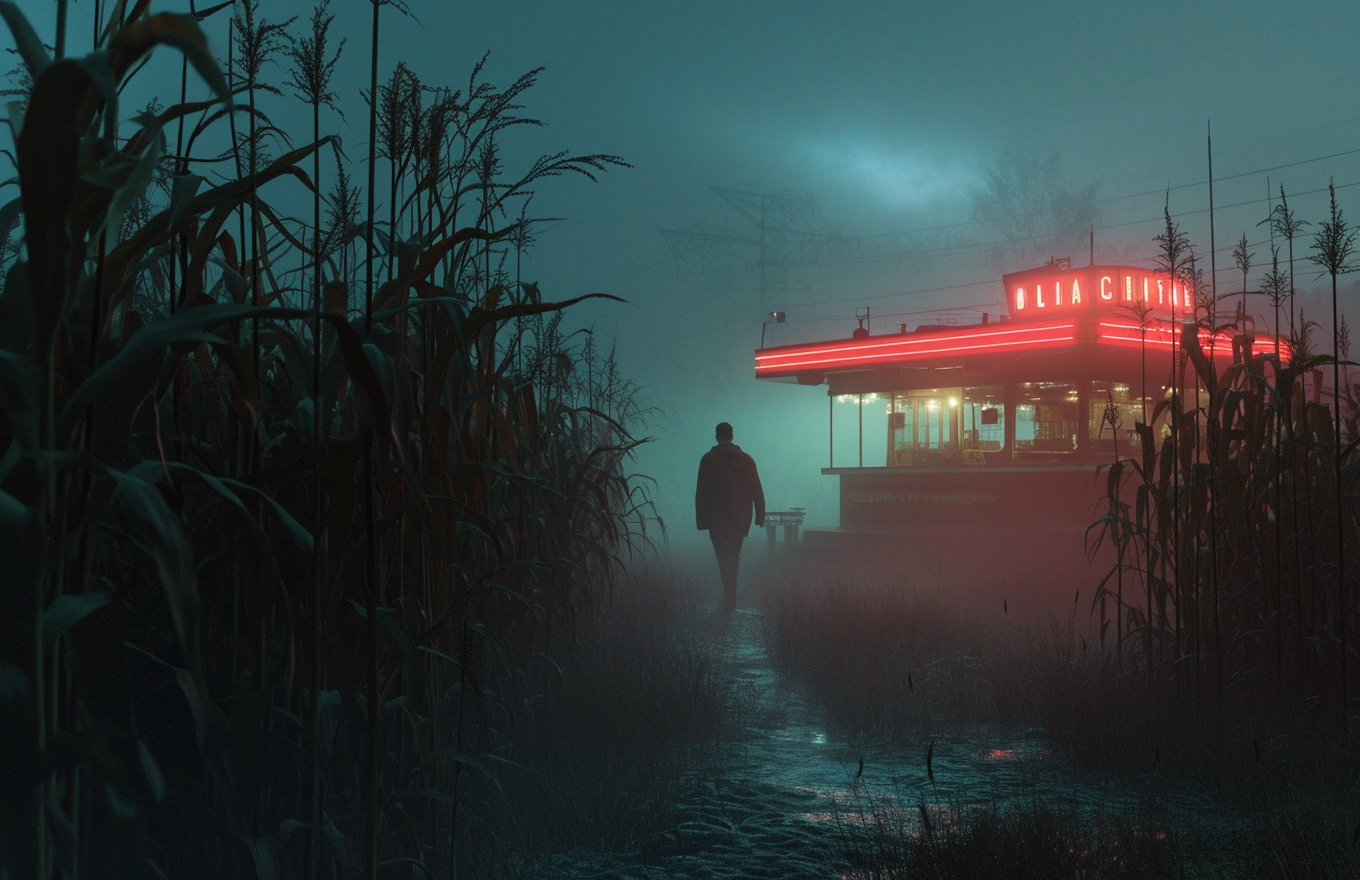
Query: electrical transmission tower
{"points": [[779, 233]]}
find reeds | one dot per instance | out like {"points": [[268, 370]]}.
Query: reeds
{"points": [[1280, 807], [888, 662], [623, 726]]}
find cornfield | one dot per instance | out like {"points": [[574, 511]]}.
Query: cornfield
{"points": [[1235, 527], [290, 507]]}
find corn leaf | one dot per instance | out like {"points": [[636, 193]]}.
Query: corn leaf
{"points": [[189, 325], [182, 32], [20, 397], [170, 548], [48, 156], [26, 39], [19, 535], [68, 610]]}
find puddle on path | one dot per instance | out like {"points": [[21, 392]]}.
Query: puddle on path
{"points": [[788, 788]]}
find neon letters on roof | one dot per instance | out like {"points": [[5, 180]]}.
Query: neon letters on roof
{"points": [[1049, 290]]}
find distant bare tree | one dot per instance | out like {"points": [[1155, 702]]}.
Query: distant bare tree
{"points": [[1028, 212]]}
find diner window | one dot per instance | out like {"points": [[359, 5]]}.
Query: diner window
{"points": [[923, 426], [983, 420], [946, 425], [1047, 418], [1114, 410]]}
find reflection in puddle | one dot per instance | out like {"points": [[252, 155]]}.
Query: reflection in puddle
{"points": [[826, 780], [795, 799]]}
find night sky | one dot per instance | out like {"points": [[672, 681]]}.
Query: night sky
{"points": [[881, 120]]}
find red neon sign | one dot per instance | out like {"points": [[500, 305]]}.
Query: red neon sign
{"points": [[1050, 290]]}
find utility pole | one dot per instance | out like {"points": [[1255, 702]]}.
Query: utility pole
{"points": [[778, 234]]}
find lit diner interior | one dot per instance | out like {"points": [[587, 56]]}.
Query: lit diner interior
{"points": [[1015, 422], [1081, 355]]}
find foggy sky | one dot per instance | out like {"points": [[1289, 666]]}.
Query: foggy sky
{"points": [[887, 116]]}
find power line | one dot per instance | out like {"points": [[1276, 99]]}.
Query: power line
{"points": [[1125, 197]]}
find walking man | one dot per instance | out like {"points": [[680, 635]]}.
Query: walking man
{"points": [[728, 492]]}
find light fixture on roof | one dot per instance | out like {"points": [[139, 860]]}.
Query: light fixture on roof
{"points": [[775, 316]]}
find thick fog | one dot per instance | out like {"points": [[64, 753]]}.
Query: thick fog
{"points": [[876, 125]]}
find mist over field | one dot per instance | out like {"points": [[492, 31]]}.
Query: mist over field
{"points": [[349, 528], [887, 122]]}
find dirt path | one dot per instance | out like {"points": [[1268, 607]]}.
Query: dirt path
{"points": [[778, 806]]}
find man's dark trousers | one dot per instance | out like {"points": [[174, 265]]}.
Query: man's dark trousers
{"points": [[727, 546]]}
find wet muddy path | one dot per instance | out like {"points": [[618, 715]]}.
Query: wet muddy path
{"points": [[788, 790]]}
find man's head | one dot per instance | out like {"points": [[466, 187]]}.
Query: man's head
{"points": [[723, 431]]}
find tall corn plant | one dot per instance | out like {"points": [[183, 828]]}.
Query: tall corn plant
{"points": [[67, 365], [1333, 248], [1284, 222], [256, 41], [313, 66], [75, 180], [491, 508], [1260, 447], [1175, 258], [399, 117], [371, 550]]}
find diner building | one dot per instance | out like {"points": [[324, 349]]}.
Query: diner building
{"points": [[1003, 424]]}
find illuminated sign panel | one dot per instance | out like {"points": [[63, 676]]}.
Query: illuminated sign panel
{"points": [[1050, 291]]}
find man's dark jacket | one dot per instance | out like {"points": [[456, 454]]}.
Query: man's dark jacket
{"points": [[728, 492]]}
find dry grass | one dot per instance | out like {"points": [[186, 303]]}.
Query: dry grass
{"points": [[888, 662], [1033, 840], [634, 713], [890, 665]]}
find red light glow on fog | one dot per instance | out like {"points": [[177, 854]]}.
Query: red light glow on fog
{"points": [[859, 353], [891, 349], [1168, 336]]}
